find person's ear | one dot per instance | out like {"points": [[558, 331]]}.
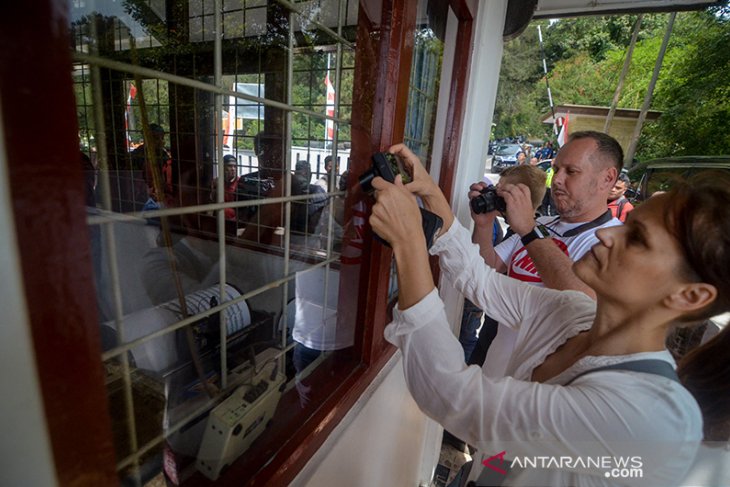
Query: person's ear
{"points": [[610, 176], [691, 297]]}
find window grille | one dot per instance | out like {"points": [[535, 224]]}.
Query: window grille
{"points": [[210, 296]]}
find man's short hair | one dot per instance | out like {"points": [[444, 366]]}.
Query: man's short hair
{"points": [[229, 159], [155, 128], [623, 177], [343, 180], [531, 176], [607, 146]]}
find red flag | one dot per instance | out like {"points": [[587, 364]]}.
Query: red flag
{"points": [[229, 120], [563, 135], [226, 127], [128, 115], [329, 132]]}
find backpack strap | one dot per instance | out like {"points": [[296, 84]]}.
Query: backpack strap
{"points": [[621, 203], [647, 366]]}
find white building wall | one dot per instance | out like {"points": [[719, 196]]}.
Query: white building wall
{"points": [[379, 442]]}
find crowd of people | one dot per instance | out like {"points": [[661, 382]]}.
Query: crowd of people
{"points": [[526, 155]]}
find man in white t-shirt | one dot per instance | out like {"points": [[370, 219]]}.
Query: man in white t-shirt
{"points": [[542, 252]]}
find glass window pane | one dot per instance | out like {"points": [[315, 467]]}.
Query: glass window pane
{"points": [[424, 87], [227, 266]]}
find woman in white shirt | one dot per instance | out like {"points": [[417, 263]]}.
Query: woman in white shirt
{"points": [[550, 420]]}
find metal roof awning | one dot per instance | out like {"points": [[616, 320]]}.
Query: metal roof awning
{"points": [[598, 112], [572, 8]]}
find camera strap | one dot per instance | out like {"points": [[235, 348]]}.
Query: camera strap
{"points": [[604, 218]]}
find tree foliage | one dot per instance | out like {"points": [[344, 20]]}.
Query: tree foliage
{"points": [[696, 104], [586, 56], [518, 105], [596, 36]]}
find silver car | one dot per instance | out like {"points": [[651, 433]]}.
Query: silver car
{"points": [[505, 156]]}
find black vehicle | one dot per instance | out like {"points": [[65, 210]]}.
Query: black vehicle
{"points": [[661, 173]]}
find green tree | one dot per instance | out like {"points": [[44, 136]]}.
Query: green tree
{"points": [[596, 36], [693, 91], [574, 50], [695, 99], [518, 104]]}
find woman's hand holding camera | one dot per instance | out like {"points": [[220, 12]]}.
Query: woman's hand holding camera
{"points": [[395, 215], [397, 218], [424, 186]]}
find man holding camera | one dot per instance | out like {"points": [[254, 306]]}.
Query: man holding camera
{"points": [[542, 251]]}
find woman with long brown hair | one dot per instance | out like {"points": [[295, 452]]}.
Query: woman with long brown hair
{"points": [[592, 397]]}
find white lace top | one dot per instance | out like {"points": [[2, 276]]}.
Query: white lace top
{"points": [[606, 428]]}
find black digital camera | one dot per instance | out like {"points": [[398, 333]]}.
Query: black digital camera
{"points": [[488, 201], [388, 166]]}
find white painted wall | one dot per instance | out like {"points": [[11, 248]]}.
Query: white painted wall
{"points": [[25, 439], [379, 442]]}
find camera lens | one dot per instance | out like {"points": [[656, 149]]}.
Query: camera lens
{"points": [[478, 205], [488, 201]]}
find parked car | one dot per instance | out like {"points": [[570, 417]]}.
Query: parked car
{"points": [[661, 173], [505, 156], [544, 165]]}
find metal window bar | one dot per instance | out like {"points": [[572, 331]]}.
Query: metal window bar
{"points": [[114, 270], [200, 85], [333, 175], [220, 190]]}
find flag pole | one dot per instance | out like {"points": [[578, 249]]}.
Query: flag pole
{"points": [[326, 100], [629, 155], [622, 76], [547, 83]]}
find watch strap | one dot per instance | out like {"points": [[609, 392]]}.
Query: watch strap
{"points": [[539, 232]]}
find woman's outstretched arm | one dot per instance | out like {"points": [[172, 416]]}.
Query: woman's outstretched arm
{"points": [[397, 219]]}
